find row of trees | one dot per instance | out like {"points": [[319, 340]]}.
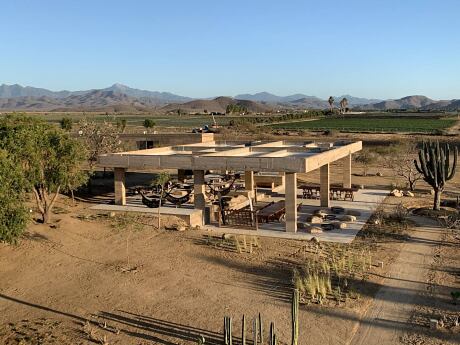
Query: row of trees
{"points": [[66, 124], [235, 108]]}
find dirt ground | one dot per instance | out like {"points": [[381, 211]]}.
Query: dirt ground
{"points": [[174, 287], [85, 281]]}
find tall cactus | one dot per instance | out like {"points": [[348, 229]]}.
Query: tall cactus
{"points": [[295, 316], [273, 340], [228, 330], [436, 168], [243, 331]]}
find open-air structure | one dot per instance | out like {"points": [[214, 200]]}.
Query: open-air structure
{"points": [[278, 156]]}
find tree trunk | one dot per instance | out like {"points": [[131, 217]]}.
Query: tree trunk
{"points": [[437, 199], [46, 216], [411, 185]]}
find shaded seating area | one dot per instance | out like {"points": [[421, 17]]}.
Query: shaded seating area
{"points": [[312, 191], [262, 161]]}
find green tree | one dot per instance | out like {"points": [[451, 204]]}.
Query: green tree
{"points": [[13, 214], [49, 159], [149, 123], [161, 179], [66, 123]]}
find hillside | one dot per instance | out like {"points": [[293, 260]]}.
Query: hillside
{"points": [[409, 102], [218, 104]]}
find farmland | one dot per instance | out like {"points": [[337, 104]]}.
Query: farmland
{"points": [[358, 124]]}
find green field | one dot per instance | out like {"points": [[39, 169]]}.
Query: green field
{"points": [[364, 124]]}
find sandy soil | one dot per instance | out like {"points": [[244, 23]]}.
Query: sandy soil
{"points": [[174, 287]]}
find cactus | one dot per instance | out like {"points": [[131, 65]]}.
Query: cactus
{"points": [[227, 330], [201, 340], [295, 317], [243, 331], [261, 329], [436, 168], [272, 334]]}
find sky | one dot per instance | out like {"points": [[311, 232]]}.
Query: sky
{"points": [[366, 48]]}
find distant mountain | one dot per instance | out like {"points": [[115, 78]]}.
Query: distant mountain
{"points": [[218, 104], [97, 100], [123, 98], [354, 101], [271, 98], [409, 102], [159, 97], [15, 91], [303, 99]]}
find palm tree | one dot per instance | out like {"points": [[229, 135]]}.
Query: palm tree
{"points": [[343, 105], [331, 103]]}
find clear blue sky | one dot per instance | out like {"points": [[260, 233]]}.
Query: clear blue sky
{"points": [[367, 48]]}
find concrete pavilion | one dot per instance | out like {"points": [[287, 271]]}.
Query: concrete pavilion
{"points": [[277, 156]]}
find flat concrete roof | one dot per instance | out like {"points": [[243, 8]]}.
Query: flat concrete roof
{"points": [[279, 156]]}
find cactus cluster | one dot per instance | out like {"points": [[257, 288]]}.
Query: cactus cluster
{"points": [[258, 329], [434, 164]]}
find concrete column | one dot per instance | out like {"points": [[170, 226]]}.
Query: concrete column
{"points": [[120, 188], [199, 189], [347, 171], [291, 202], [249, 182], [324, 182]]}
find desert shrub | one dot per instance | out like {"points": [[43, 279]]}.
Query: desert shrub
{"points": [[66, 123], [13, 214]]}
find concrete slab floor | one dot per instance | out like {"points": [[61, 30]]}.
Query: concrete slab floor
{"points": [[366, 200]]}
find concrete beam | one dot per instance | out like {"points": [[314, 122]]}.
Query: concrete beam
{"points": [[324, 183], [347, 171], [291, 202], [120, 188]]}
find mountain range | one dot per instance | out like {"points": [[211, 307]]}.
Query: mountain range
{"points": [[119, 97]]}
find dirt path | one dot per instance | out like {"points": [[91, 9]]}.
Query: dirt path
{"points": [[387, 318]]}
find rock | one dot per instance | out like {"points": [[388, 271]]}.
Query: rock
{"points": [[337, 209], [433, 323], [409, 194], [314, 230], [396, 192], [379, 174], [347, 218], [315, 219], [314, 240], [339, 225], [353, 213]]}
